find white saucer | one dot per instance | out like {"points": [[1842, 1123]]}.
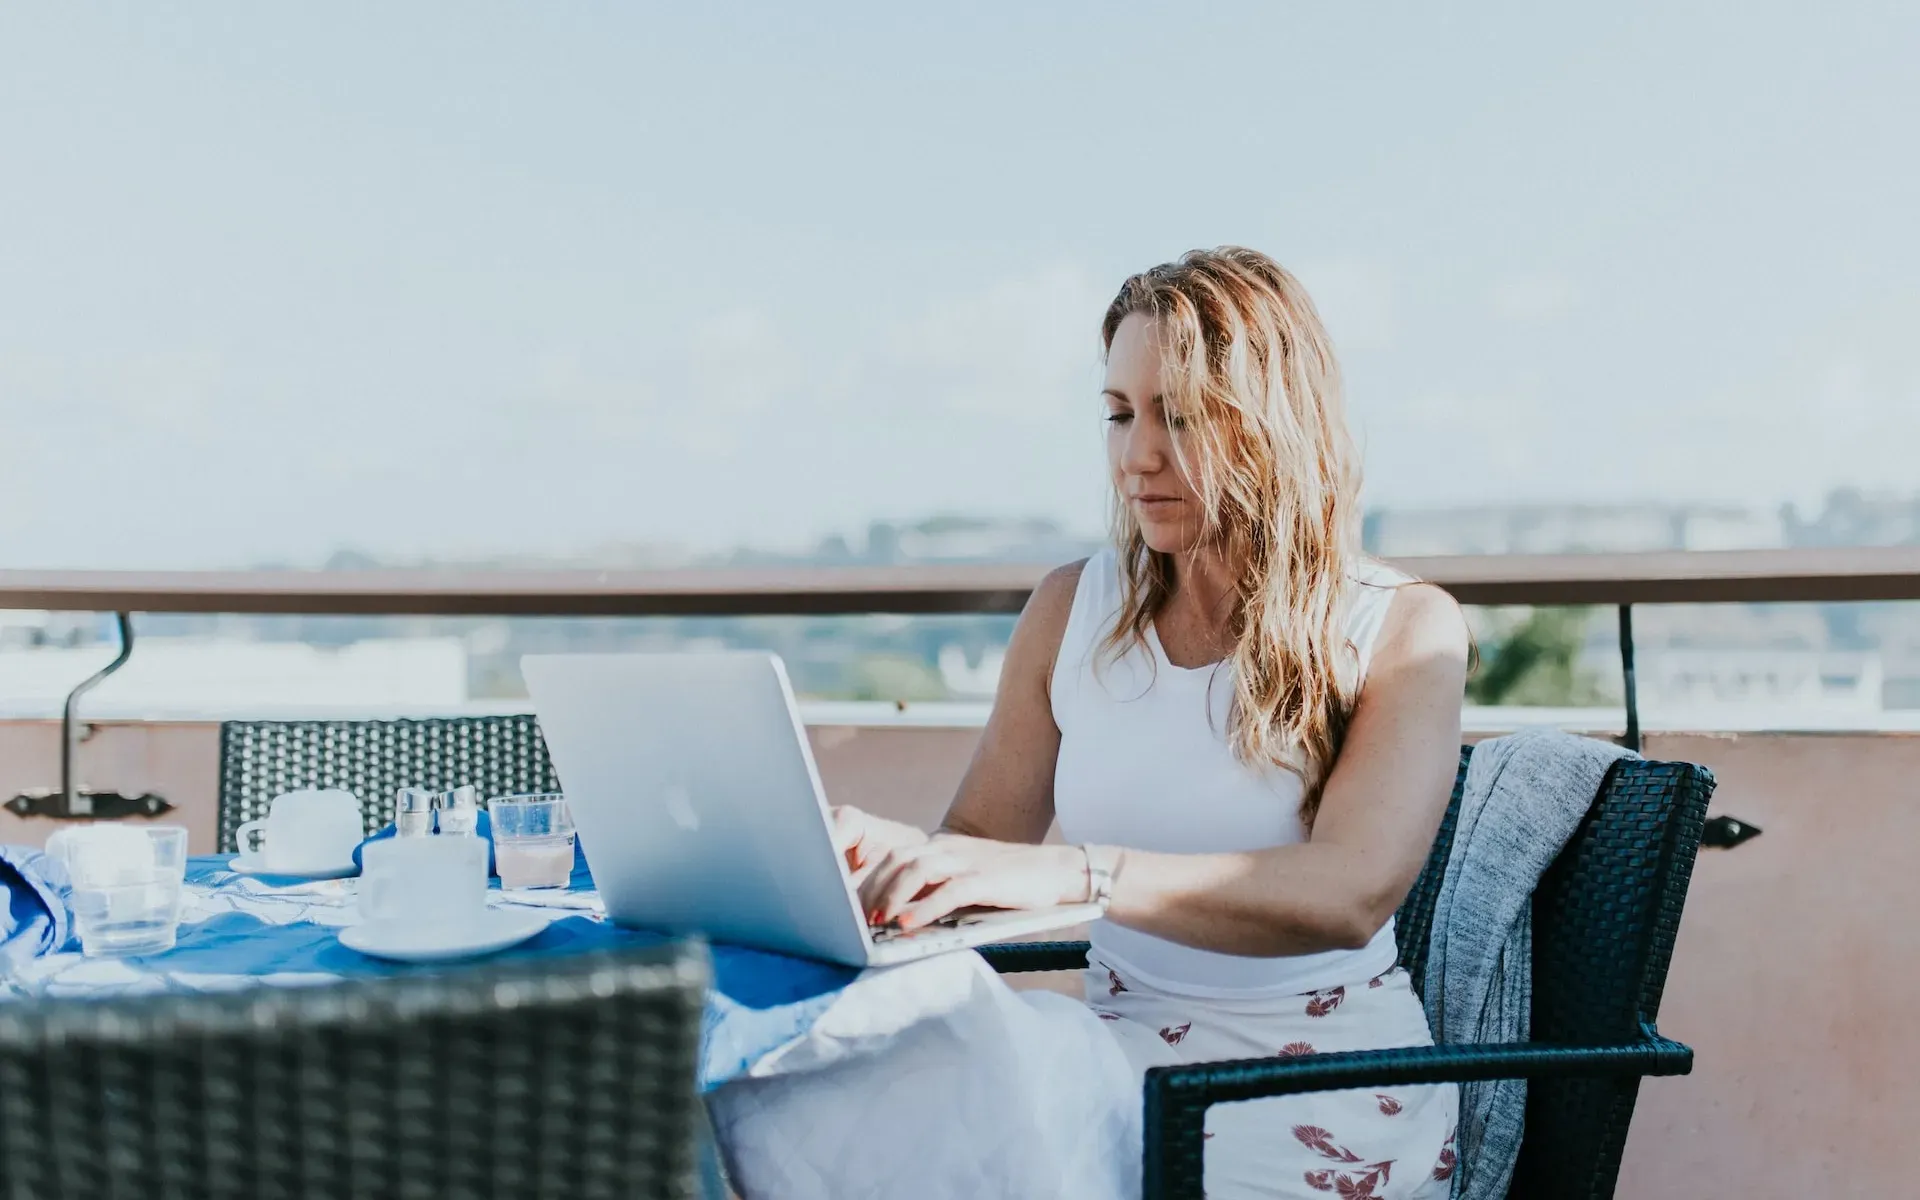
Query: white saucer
{"points": [[495, 929], [253, 864]]}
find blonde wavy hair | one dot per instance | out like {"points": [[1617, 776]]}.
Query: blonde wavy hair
{"points": [[1247, 363]]}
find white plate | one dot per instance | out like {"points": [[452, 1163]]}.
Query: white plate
{"points": [[253, 864], [496, 929]]}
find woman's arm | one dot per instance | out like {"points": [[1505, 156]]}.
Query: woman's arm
{"points": [[1378, 815], [1007, 793]]}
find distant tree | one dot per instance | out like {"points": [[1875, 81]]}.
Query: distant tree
{"points": [[1534, 661], [890, 677]]}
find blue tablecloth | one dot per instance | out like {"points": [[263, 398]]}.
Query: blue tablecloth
{"points": [[238, 931], [33, 916]]}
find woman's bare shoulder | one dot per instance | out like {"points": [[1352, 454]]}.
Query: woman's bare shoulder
{"points": [[1052, 599], [1043, 624], [1423, 623]]}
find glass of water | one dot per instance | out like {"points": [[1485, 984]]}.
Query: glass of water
{"points": [[127, 883], [532, 840]]}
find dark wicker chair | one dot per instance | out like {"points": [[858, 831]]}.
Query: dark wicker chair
{"points": [[374, 759], [1605, 915], [568, 1077]]}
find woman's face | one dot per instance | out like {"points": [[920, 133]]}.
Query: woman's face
{"points": [[1140, 441]]}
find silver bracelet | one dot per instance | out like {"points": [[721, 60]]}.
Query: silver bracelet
{"points": [[1099, 880]]}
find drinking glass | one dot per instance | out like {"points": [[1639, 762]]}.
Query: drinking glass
{"points": [[128, 882], [532, 840]]}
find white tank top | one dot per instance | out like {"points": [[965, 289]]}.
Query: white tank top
{"points": [[1145, 764]]}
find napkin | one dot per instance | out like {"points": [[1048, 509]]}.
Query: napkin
{"points": [[485, 830], [33, 905]]}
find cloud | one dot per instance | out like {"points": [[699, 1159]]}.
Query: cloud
{"points": [[1809, 409], [1024, 350], [773, 423], [1532, 299], [773, 430], [1357, 299]]}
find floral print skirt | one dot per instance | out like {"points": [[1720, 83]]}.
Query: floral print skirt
{"points": [[1395, 1142], [936, 1081]]}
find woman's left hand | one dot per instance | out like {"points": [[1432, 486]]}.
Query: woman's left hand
{"points": [[916, 885]]}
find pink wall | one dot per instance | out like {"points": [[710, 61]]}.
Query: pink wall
{"points": [[179, 761], [1794, 980]]}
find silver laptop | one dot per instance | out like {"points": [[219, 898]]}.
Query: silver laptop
{"points": [[700, 809]]}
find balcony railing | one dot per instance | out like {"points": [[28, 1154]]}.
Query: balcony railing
{"points": [[1690, 577], [1620, 580]]}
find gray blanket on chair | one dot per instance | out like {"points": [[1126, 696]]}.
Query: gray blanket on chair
{"points": [[1525, 796]]}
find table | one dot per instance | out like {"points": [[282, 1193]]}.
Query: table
{"points": [[237, 931]]}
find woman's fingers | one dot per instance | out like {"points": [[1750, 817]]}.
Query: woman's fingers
{"points": [[893, 890], [870, 865], [917, 884], [846, 836], [914, 888], [900, 886], [863, 838], [949, 895], [880, 874], [849, 830]]}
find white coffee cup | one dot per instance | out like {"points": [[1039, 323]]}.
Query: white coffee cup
{"points": [[306, 831], [424, 882]]}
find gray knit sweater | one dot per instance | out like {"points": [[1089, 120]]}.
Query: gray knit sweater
{"points": [[1524, 797]]}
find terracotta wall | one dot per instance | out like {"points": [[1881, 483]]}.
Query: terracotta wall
{"points": [[1794, 980], [1793, 977], [179, 761]]}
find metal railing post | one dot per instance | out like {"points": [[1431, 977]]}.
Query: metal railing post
{"points": [[78, 803], [1631, 739], [70, 801]]}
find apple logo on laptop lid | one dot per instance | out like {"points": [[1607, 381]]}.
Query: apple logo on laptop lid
{"points": [[679, 805]]}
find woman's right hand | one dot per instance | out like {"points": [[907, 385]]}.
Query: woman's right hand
{"points": [[866, 839]]}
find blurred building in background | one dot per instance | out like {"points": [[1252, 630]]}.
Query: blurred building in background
{"points": [[1569, 529], [1712, 663]]}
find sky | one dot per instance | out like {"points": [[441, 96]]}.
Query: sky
{"points": [[467, 278]]}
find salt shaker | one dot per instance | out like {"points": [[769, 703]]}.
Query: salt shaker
{"points": [[460, 812], [413, 812]]}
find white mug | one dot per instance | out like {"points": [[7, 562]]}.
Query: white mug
{"points": [[306, 831], [432, 881]]}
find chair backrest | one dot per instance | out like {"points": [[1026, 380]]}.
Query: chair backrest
{"points": [[1413, 924], [374, 759], [570, 1077], [1604, 919]]}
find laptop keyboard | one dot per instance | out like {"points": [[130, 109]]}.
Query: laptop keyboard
{"points": [[882, 934]]}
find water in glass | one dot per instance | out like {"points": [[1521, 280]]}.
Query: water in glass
{"points": [[532, 840], [127, 886]]}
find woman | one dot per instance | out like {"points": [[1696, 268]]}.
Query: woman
{"points": [[1246, 731]]}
